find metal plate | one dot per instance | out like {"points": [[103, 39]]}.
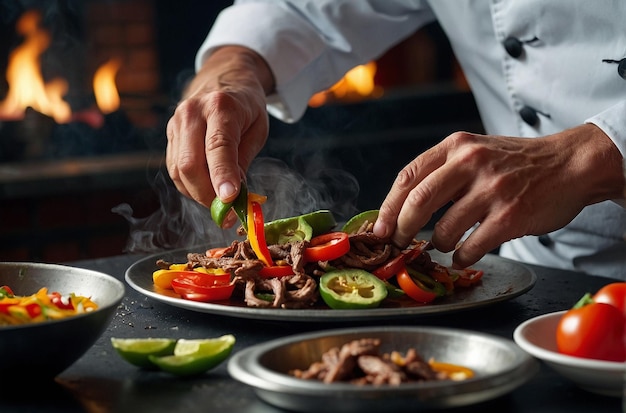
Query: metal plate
{"points": [[503, 280], [499, 366]]}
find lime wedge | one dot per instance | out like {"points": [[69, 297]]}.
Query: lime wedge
{"points": [[193, 357], [137, 351], [356, 221]]}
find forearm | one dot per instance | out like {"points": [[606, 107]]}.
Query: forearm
{"points": [[232, 65]]}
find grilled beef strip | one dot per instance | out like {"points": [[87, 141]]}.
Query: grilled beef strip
{"points": [[361, 362]]}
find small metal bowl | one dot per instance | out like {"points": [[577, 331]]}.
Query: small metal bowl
{"points": [[499, 365], [40, 351]]}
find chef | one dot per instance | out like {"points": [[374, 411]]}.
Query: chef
{"points": [[553, 71]]}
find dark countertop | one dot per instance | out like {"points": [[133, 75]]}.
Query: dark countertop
{"points": [[101, 382]]}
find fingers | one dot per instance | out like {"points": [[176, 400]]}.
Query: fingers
{"points": [[221, 145], [421, 188], [185, 155], [220, 125], [387, 224], [485, 238], [447, 174], [212, 139]]}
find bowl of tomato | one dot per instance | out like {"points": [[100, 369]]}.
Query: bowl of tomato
{"points": [[538, 337]]}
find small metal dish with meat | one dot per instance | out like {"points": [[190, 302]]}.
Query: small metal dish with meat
{"points": [[499, 367], [39, 351]]}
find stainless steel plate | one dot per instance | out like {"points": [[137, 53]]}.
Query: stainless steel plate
{"points": [[503, 280], [499, 365]]}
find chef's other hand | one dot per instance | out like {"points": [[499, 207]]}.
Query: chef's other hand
{"points": [[509, 186], [220, 125]]}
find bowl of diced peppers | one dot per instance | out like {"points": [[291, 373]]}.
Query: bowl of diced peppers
{"points": [[50, 315]]}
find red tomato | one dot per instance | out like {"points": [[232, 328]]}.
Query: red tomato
{"points": [[614, 294], [327, 247], [417, 292], [276, 271], [594, 331], [203, 287]]}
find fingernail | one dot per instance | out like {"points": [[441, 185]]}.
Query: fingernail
{"points": [[226, 191]]}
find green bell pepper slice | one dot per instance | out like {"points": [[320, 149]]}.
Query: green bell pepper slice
{"points": [[220, 209], [299, 228], [352, 289]]}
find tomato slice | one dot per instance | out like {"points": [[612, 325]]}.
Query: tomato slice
{"points": [[199, 286], [327, 247], [276, 271], [421, 288]]}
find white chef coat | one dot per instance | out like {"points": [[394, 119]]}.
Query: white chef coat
{"points": [[560, 73]]}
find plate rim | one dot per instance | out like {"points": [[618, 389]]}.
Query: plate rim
{"points": [[324, 315]]}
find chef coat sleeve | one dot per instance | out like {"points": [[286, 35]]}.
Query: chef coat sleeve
{"points": [[612, 121], [309, 45]]}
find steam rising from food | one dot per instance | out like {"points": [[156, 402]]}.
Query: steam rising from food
{"points": [[183, 223]]}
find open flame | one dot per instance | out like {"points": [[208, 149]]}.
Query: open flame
{"points": [[27, 87], [358, 83], [104, 89]]}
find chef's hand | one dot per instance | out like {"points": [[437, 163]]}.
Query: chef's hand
{"points": [[220, 125], [510, 186]]}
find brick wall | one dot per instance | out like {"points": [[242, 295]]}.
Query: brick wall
{"points": [[126, 30]]}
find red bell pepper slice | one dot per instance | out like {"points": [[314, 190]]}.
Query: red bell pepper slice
{"points": [[466, 277], [203, 287], [256, 233], [396, 264], [33, 310], [276, 271], [6, 291], [390, 268], [415, 289], [442, 275], [327, 247], [216, 252], [57, 299]]}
